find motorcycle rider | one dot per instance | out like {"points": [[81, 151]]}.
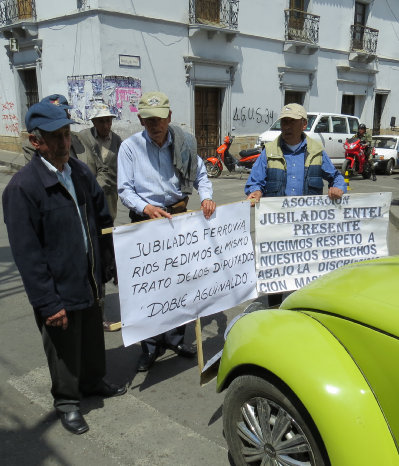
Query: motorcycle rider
{"points": [[365, 139]]}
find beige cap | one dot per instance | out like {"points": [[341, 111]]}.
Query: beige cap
{"points": [[154, 104], [100, 110], [295, 111]]}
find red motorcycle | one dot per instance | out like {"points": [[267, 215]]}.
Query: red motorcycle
{"points": [[357, 160], [214, 165]]}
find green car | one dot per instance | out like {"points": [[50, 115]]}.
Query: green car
{"points": [[316, 382]]}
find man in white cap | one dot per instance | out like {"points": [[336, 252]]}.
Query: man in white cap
{"points": [[157, 171], [101, 155], [293, 165], [102, 146]]}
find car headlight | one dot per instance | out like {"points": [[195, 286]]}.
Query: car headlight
{"points": [[253, 307]]}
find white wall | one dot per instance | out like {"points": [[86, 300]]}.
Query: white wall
{"points": [[91, 43]]}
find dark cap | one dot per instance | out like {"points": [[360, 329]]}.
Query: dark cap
{"points": [[57, 99], [362, 126], [47, 117]]}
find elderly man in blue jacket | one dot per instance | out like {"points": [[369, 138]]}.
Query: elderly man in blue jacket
{"points": [[293, 165], [54, 211]]}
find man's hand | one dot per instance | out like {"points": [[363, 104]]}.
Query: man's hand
{"points": [[335, 193], [208, 207], [155, 212], [254, 197], [58, 320]]}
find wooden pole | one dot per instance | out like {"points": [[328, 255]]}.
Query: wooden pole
{"points": [[198, 335]]}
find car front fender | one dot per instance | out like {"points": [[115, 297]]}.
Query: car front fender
{"points": [[306, 357]]}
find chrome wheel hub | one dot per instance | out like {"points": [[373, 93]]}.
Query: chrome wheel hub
{"points": [[270, 436]]}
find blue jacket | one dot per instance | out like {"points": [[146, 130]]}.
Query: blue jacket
{"points": [[46, 238]]}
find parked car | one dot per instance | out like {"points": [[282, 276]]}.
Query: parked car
{"points": [[316, 382], [330, 129], [386, 148]]}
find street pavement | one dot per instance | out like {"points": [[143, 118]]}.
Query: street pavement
{"points": [[165, 419]]}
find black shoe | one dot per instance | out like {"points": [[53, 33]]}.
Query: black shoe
{"points": [[146, 361], [184, 350], [73, 421], [107, 390]]}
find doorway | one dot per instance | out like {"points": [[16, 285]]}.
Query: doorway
{"points": [[207, 119], [348, 104], [359, 25], [379, 103], [29, 93], [294, 97]]}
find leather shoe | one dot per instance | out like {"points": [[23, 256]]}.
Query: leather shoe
{"points": [[107, 390], [146, 361], [184, 350], [73, 421]]}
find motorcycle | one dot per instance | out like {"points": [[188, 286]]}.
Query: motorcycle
{"points": [[214, 165], [357, 161]]}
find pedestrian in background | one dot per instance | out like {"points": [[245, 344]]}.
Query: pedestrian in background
{"points": [[54, 211], [101, 156], [293, 165], [157, 171]]}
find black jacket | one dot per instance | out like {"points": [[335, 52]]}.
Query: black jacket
{"points": [[46, 236]]}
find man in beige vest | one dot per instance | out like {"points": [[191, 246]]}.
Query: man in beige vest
{"points": [[102, 146], [101, 155]]}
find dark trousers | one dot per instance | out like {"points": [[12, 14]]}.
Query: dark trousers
{"points": [[75, 356], [172, 337], [275, 299], [175, 336]]}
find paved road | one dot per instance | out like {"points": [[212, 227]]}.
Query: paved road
{"points": [[166, 418]]}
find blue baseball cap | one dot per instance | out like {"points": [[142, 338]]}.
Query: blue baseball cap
{"points": [[47, 117], [57, 99]]}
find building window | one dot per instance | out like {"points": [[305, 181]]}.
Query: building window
{"points": [[221, 13], [15, 10]]}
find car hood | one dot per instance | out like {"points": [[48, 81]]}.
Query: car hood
{"points": [[385, 152], [366, 292]]}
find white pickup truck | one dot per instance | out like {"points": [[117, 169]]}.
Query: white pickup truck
{"points": [[331, 129]]}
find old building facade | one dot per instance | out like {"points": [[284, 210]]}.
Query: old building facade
{"points": [[227, 65]]}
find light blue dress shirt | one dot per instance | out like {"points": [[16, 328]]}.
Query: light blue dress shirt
{"points": [[146, 174], [65, 179]]}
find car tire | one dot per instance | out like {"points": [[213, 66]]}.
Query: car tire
{"points": [[389, 167], [213, 170], [252, 408]]}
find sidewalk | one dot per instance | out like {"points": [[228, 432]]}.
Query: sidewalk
{"points": [[15, 161]]}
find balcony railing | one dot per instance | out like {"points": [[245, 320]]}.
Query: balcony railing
{"points": [[301, 26], [220, 13], [12, 11], [364, 39]]}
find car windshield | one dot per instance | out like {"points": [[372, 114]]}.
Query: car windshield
{"points": [[311, 119], [384, 143], [277, 127]]}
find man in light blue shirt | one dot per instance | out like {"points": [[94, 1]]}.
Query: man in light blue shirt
{"points": [[157, 171]]}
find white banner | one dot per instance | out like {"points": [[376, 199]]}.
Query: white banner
{"points": [[300, 238], [172, 271]]}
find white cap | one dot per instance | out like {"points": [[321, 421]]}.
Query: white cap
{"points": [[101, 110]]}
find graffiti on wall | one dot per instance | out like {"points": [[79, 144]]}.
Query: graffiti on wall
{"points": [[259, 115], [9, 118], [120, 93]]}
